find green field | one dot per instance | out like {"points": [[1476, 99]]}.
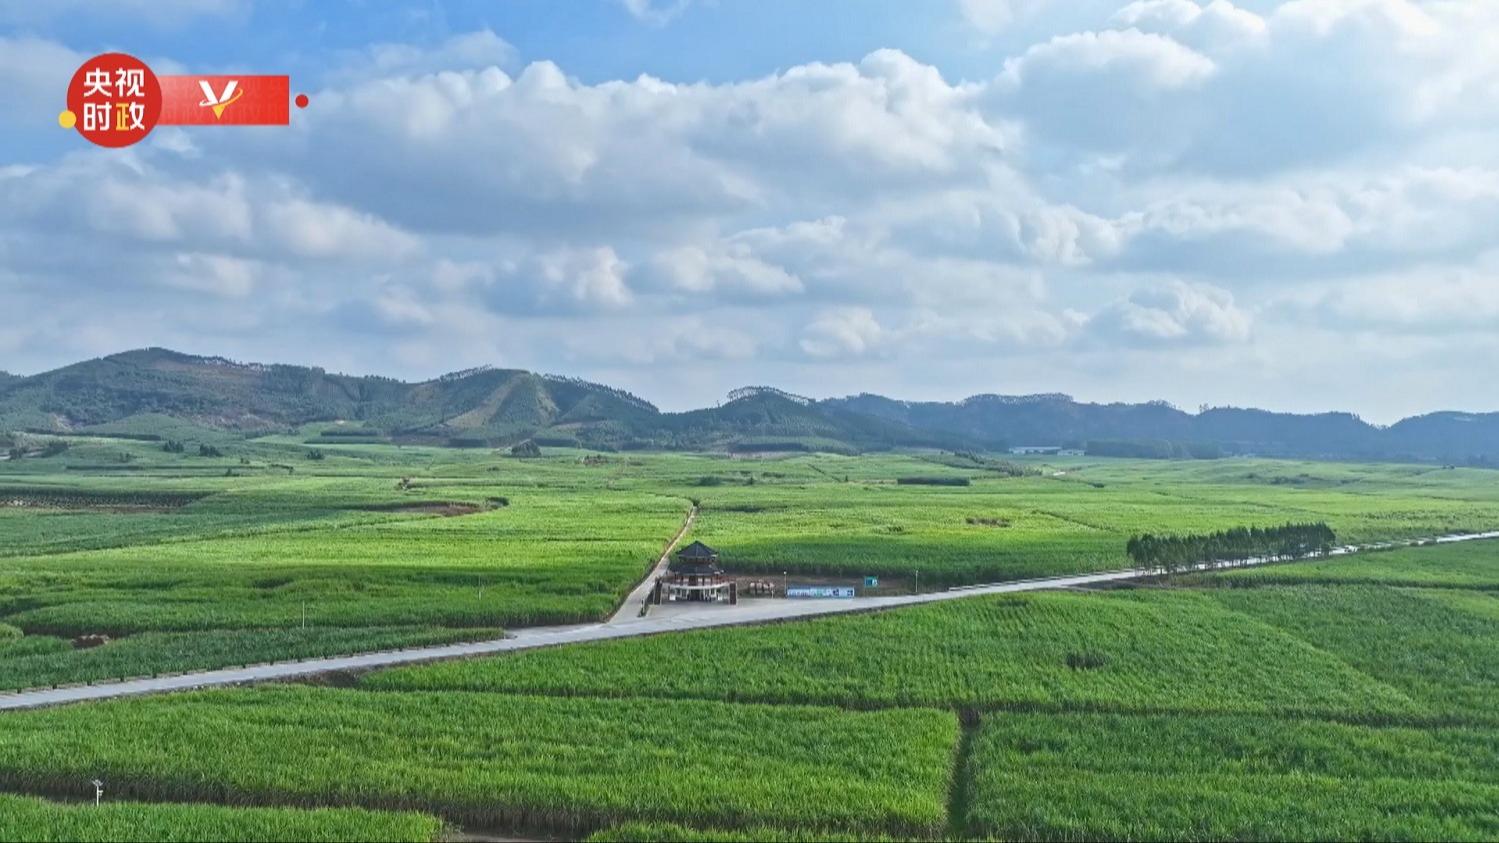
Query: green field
{"points": [[502, 761], [42, 660], [1086, 777], [1310, 712], [372, 547], [1075, 518], [1438, 647], [1349, 697], [30, 820], [1121, 651], [1469, 566]]}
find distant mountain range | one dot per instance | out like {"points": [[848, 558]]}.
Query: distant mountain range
{"points": [[156, 392]]}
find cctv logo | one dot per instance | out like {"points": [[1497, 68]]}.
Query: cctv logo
{"points": [[219, 102]]}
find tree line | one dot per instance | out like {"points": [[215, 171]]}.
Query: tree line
{"points": [[1237, 544]]}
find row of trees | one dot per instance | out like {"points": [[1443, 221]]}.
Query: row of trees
{"points": [[1238, 544], [172, 446]]}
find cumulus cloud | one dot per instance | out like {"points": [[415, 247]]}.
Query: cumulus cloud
{"points": [[1123, 182], [569, 280], [643, 152], [1219, 26], [1434, 300], [993, 16], [1301, 84], [655, 11], [390, 309], [672, 340], [845, 332], [131, 200], [218, 275], [1092, 90], [320, 230], [1176, 313], [727, 266], [1347, 220], [466, 51], [1142, 61]]}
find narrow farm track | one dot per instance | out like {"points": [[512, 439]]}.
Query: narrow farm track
{"points": [[752, 612], [635, 602]]}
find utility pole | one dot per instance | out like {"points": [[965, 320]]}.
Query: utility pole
{"points": [[98, 792]]}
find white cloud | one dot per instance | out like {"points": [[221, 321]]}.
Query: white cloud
{"points": [[992, 16], [1432, 300], [393, 309], [1142, 60], [726, 266], [845, 332], [1204, 175], [655, 11], [466, 51], [568, 280], [591, 277], [544, 149], [1218, 26], [320, 230], [1094, 90], [1175, 313], [218, 275], [668, 341]]}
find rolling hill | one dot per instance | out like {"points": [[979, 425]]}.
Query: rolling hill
{"points": [[141, 392], [158, 392]]}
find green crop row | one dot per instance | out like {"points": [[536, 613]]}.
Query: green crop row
{"points": [[1467, 565], [30, 820], [640, 832], [555, 765], [543, 558], [1119, 651], [40, 661], [1001, 528], [1086, 777], [1439, 647]]}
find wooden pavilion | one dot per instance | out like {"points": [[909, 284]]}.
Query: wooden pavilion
{"points": [[695, 575]]}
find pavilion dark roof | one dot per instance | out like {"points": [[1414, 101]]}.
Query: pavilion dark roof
{"points": [[697, 551]]}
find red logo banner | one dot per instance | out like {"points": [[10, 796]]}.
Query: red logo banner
{"points": [[225, 100], [115, 100]]}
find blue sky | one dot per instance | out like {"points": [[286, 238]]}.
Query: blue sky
{"points": [[1285, 204]]}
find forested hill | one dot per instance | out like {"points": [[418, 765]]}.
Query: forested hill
{"points": [[156, 392], [1157, 429], [151, 391]]}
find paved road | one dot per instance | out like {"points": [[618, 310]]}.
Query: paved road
{"points": [[678, 620]]}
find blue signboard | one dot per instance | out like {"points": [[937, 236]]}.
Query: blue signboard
{"points": [[822, 591]]}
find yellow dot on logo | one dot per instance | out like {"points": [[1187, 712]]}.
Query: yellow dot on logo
{"points": [[67, 119]]}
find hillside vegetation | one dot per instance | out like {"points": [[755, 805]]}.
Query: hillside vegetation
{"points": [[163, 394]]}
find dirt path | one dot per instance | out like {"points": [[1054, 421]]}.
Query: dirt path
{"points": [[635, 602]]}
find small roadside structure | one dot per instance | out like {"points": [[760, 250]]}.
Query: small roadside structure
{"points": [[695, 575]]}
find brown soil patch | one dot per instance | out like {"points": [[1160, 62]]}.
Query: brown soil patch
{"points": [[442, 509]]}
